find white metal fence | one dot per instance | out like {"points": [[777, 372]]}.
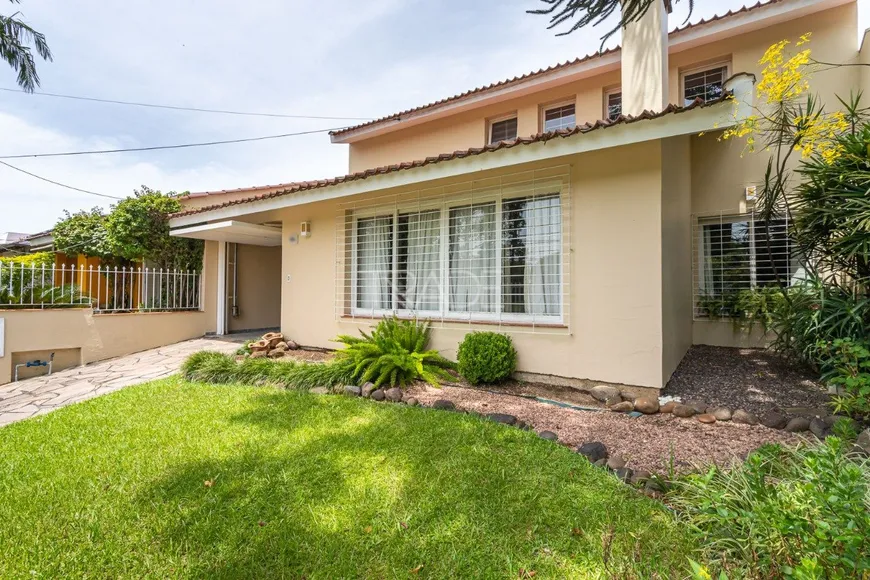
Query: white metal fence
{"points": [[102, 288]]}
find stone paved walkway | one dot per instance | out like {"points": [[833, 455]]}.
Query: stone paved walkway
{"points": [[40, 395]]}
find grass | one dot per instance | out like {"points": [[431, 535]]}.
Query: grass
{"points": [[174, 479]]}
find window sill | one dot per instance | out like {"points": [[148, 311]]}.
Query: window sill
{"points": [[502, 323]]}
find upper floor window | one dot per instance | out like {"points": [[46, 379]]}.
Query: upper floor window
{"points": [[612, 104], [561, 116], [707, 83], [503, 130]]}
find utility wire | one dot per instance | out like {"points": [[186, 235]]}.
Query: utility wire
{"points": [[10, 166], [159, 147], [196, 109]]}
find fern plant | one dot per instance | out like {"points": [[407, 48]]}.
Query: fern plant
{"points": [[395, 353]]}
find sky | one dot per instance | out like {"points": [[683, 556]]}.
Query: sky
{"points": [[325, 58]]}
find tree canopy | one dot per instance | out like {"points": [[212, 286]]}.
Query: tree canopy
{"points": [[17, 41]]}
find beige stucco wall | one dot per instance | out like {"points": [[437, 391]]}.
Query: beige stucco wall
{"points": [[80, 337], [615, 309], [259, 290], [864, 71], [676, 236], [833, 40]]}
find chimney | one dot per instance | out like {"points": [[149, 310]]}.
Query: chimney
{"points": [[645, 61]]}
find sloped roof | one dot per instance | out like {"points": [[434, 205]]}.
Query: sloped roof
{"points": [[444, 157], [540, 72]]}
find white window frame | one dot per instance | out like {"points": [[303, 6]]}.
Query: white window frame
{"points": [[606, 104], [494, 120], [444, 206], [726, 64], [557, 105]]}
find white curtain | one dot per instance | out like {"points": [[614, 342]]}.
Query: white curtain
{"points": [[423, 282], [473, 259], [375, 263], [542, 276]]}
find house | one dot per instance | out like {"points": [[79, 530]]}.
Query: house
{"points": [[588, 209]]}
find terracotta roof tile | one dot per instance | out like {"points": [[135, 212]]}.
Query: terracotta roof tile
{"points": [[538, 138], [543, 71]]}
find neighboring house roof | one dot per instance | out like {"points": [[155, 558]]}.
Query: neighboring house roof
{"points": [[544, 71], [538, 138]]}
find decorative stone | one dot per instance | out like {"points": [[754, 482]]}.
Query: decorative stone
{"points": [[774, 420], [548, 435], [259, 354], [602, 463], [502, 418], [647, 405], [707, 418], [273, 338], [639, 476], [394, 395], [616, 462], [378, 395], [352, 391], [612, 401], [683, 411], [623, 407], [863, 441], [319, 391], [654, 484], [281, 345], [444, 405], [604, 393], [819, 428], [744, 417], [721, 413], [635, 414], [412, 402], [700, 407], [798, 425], [593, 451], [292, 345], [623, 474], [668, 407], [276, 353], [368, 389]]}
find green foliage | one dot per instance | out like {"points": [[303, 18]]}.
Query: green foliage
{"points": [[746, 307], [16, 38], [393, 354], [486, 357], [245, 349], [83, 232], [210, 367], [138, 227], [796, 512], [135, 228], [847, 367]]}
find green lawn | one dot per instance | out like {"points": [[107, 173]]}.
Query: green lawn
{"points": [[172, 479]]}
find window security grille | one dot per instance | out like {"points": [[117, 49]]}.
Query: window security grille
{"points": [[613, 105], [491, 251], [706, 84], [733, 254]]}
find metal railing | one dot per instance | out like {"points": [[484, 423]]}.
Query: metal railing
{"points": [[105, 289]]}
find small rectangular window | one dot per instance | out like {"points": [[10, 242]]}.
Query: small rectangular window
{"points": [[504, 130], [707, 85], [612, 104], [559, 117]]}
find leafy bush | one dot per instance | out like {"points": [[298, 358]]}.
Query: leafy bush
{"points": [[486, 357], [394, 354], [797, 512], [847, 366]]}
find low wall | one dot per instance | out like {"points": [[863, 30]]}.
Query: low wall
{"points": [[726, 333], [97, 337]]}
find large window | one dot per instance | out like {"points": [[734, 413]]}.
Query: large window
{"points": [[707, 84], [495, 260], [738, 254], [559, 117], [503, 130]]}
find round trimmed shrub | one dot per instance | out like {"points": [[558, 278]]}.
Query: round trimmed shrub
{"points": [[486, 357]]}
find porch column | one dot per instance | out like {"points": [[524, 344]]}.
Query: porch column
{"points": [[645, 61], [221, 325]]}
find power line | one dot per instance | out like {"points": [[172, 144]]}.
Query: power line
{"points": [[57, 182], [196, 109], [160, 147]]}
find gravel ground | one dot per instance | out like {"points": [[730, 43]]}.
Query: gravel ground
{"points": [[307, 355], [646, 442], [750, 379]]}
